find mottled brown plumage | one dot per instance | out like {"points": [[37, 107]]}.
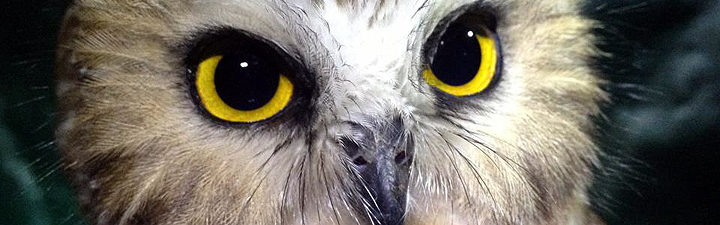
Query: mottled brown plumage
{"points": [[140, 152]]}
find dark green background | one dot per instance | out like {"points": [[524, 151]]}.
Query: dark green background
{"points": [[33, 190], [666, 88]]}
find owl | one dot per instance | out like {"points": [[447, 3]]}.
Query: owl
{"points": [[330, 111]]}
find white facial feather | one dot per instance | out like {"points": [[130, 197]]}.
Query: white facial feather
{"points": [[521, 154]]}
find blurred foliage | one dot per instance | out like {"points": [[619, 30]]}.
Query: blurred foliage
{"points": [[34, 189], [662, 133]]}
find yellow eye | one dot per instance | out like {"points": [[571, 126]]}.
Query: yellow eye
{"points": [[242, 87], [465, 61]]}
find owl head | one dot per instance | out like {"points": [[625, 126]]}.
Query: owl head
{"points": [[329, 112]]}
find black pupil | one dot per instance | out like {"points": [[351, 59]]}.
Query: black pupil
{"points": [[458, 56], [246, 81]]}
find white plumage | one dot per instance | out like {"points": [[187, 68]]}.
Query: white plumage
{"points": [[143, 151]]}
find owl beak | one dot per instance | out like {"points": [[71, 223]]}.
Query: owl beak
{"points": [[384, 158]]}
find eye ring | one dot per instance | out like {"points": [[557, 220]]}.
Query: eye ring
{"points": [[215, 105], [465, 59]]}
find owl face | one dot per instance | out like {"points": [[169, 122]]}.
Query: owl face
{"points": [[329, 112]]}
